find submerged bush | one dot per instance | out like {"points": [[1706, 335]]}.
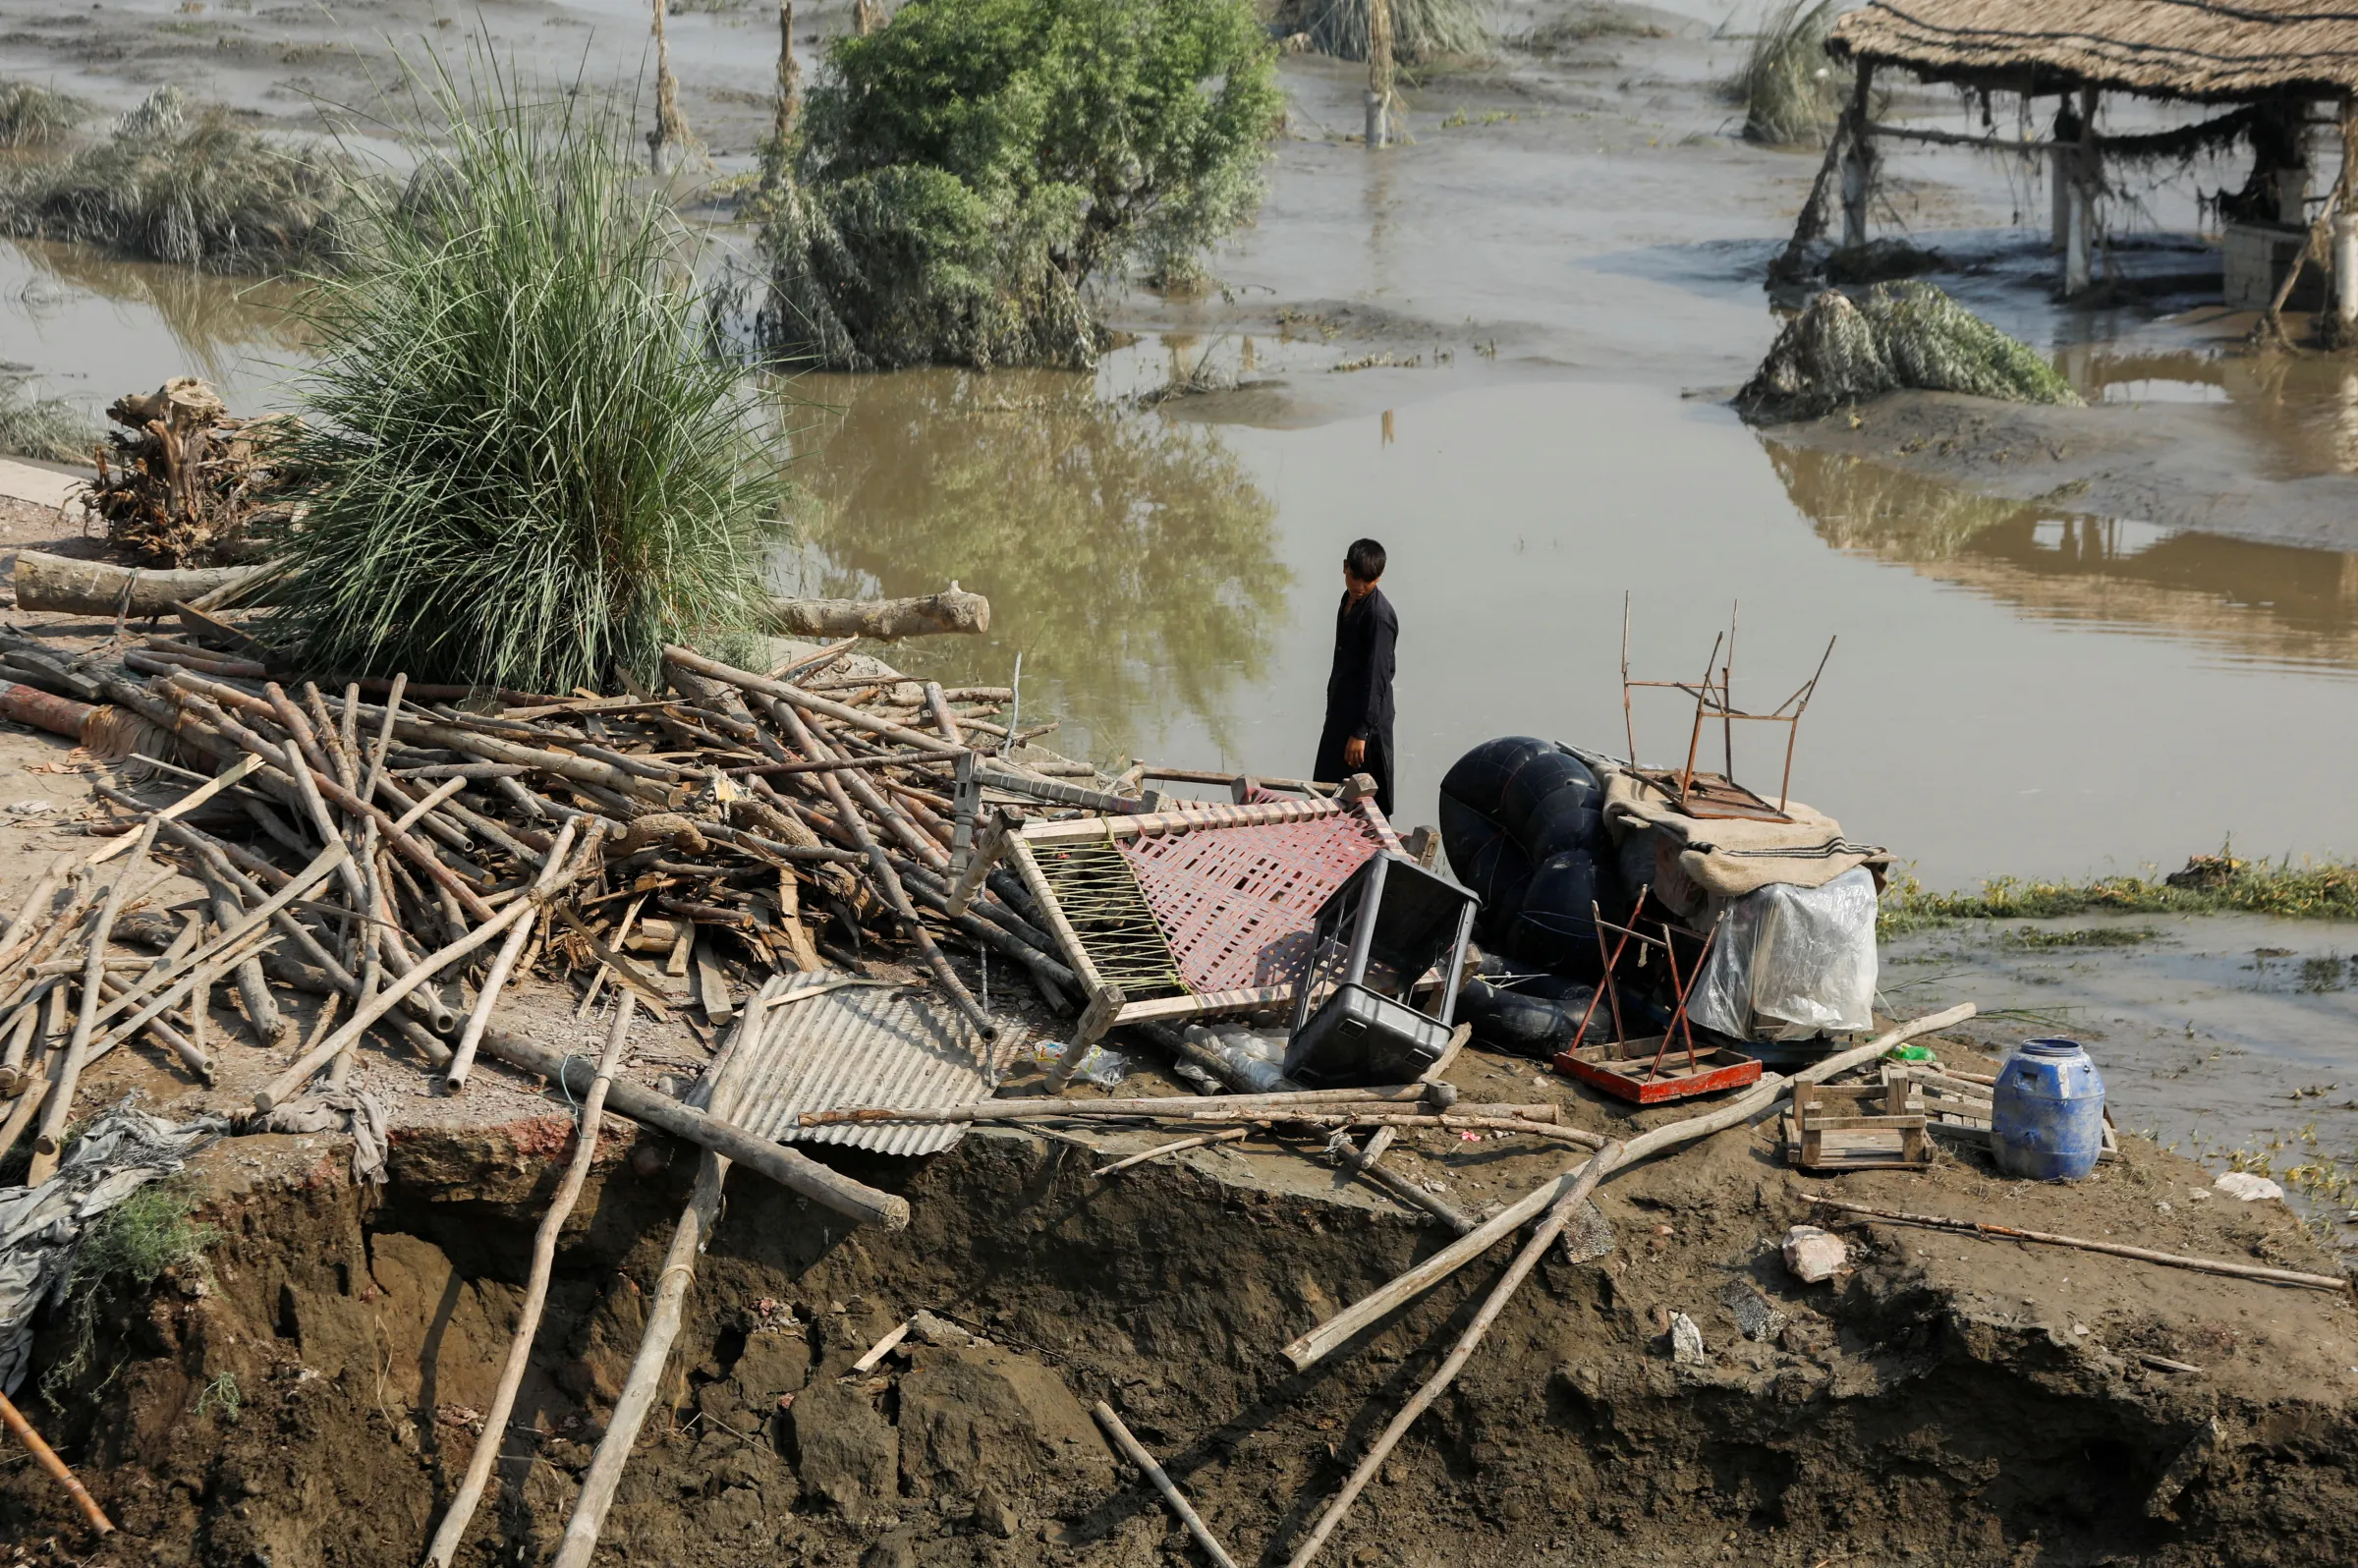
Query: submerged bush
{"points": [[34, 116], [1788, 89], [195, 192], [48, 428], [1422, 30], [1904, 335], [529, 468], [967, 168]]}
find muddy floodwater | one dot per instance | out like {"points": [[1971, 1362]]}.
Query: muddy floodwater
{"points": [[1503, 348]]}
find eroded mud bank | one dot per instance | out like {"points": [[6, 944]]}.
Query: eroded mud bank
{"points": [[1945, 1401]]}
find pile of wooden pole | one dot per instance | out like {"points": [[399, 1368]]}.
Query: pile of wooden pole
{"points": [[403, 851]]}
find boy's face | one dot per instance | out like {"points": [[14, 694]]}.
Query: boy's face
{"points": [[1357, 587]]}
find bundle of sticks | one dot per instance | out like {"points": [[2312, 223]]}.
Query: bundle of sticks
{"points": [[403, 850]]}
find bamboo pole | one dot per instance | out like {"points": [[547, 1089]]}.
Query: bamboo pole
{"points": [[1163, 1150], [16, 1423], [47, 1139], [638, 1389], [462, 1508], [1136, 1454], [462, 1056], [1550, 1228], [1324, 1340], [1990, 1232]]}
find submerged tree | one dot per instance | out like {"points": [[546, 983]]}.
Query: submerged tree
{"points": [[969, 166], [528, 470]]}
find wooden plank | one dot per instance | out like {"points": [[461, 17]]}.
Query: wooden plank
{"points": [[1204, 1002]]}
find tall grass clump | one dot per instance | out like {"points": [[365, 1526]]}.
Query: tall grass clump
{"points": [[121, 1257], [1422, 30], [1903, 335], [968, 169], [48, 428], [530, 468], [192, 190], [1788, 89], [34, 116]]}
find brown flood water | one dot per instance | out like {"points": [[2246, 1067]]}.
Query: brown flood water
{"points": [[2016, 689]]}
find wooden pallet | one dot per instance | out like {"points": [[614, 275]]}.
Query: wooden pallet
{"points": [[1830, 1127]]}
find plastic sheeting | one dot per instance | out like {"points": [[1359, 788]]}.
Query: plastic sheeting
{"points": [[121, 1150], [1792, 963]]}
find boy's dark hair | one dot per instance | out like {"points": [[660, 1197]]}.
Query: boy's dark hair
{"points": [[1364, 560]]}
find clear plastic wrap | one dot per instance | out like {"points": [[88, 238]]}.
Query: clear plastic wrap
{"points": [[1792, 963]]}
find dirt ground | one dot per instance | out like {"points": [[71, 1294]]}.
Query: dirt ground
{"points": [[1943, 1399]]}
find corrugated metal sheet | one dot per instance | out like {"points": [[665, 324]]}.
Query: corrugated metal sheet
{"points": [[828, 1041]]}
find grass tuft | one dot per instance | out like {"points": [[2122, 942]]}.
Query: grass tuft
{"points": [[34, 116], [1422, 30], [1790, 91], [1900, 335], [530, 468], [122, 1256], [2311, 890], [193, 190], [51, 429]]}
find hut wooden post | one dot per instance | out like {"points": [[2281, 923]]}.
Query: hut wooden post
{"points": [[2345, 226], [2059, 167], [1380, 72], [2079, 246], [1858, 164]]}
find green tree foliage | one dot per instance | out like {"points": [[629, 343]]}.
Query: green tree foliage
{"points": [[530, 468], [967, 169]]}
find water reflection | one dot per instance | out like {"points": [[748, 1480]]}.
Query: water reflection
{"points": [[1130, 558], [2267, 601], [2298, 412], [87, 322]]}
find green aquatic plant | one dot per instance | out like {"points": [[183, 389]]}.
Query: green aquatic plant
{"points": [[34, 116], [967, 170], [1788, 89], [529, 468], [2320, 890], [1898, 336], [191, 189]]}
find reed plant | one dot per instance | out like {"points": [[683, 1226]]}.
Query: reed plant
{"points": [[528, 466], [187, 187], [2315, 890], [34, 116], [1788, 89], [1422, 30], [49, 428]]}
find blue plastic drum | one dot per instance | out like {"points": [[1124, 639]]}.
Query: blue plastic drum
{"points": [[2047, 1121]]}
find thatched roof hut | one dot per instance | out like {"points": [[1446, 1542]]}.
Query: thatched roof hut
{"points": [[2271, 60], [2204, 50]]}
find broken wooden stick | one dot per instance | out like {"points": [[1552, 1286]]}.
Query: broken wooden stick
{"points": [[1990, 1232], [48, 1140], [1324, 1340], [1136, 1452], [662, 1326], [1542, 1238], [445, 1545], [462, 1055], [1162, 1150], [16, 1423]]}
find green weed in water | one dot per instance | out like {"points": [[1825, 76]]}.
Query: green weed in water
{"points": [[2038, 938], [2315, 890]]}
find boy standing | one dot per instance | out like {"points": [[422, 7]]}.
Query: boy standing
{"points": [[1357, 735]]}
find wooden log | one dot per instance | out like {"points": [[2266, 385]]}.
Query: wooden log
{"points": [[1990, 1232], [1322, 1340], [1136, 1452], [45, 710], [445, 1546], [953, 611], [1559, 1212], [45, 582], [16, 1423], [638, 1389], [47, 1141], [788, 1168]]}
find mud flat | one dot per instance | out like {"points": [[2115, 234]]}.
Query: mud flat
{"points": [[1946, 1399]]}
